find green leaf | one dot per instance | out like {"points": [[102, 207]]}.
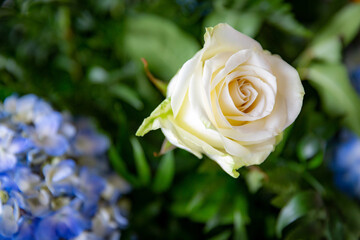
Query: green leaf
{"points": [[345, 24], [222, 236], [161, 42], [280, 200], [328, 49], [282, 179], [297, 207], [142, 166], [165, 173], [248, 23], [316, 161], [240, 218], [11, 66], [328, 43], [308, 147], [152, 122], [119, 166], [338, 96], [349, 212], [309, 230], [127, 94], [283, 19], [199, 200]]}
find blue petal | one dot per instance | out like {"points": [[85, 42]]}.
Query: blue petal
{"points": [[39, 205], [88, 141], [70, 223], [115, 235], [25, 107], [4, 115], [19, 145], [89, 207], [7, 183], [58, 177], [55, 145], [347, 154], [19, 199], [68, 130], [91, 144], [7, 161], [66, 223], [8, 220], [115, 188], [48, 125], [10, 104], [89, 190], [42, 108], [342, 183], [6, 135], [120, 217], [88, 236], [46, 229], [25, 231], [91, 184], [26, 102], [26, 180]]}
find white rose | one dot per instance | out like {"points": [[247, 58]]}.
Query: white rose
{"points": [[231, 101]]}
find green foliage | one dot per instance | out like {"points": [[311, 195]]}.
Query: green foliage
{"points": [[142, 166], [212, 198], [299, 205], [248, 16], [85, 57], [248, 23], [329, 76], [160, 42], [165, 173], [338, 96], [344, 26]]}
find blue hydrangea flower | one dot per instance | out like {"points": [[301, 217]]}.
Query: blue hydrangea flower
{"points": [[46, 134], [88, 141], [55, 182], [346, 163]]}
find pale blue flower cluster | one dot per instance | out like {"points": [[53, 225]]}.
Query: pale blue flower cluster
{"points": [[55, 182], [346, 154]]}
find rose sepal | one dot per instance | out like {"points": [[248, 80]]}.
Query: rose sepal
{"points": [[152, 122]]}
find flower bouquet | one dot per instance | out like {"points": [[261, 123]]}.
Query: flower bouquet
{"points": [[257, 102]]}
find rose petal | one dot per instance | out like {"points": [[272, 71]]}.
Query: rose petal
{"points": [[178, 86], [290, 88], [223, 38]]}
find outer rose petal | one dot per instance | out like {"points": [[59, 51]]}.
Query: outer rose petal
{"points": [[223, 38], [289, 84]]}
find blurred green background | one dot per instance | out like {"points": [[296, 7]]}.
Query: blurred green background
{"points": [[84, 56]]}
